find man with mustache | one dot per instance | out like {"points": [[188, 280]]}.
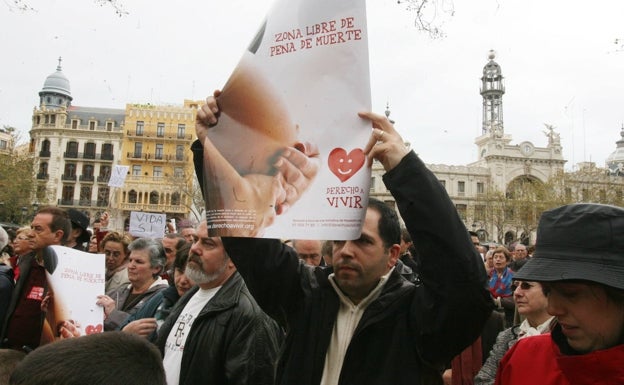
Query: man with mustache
{"points": [[217, 333], [359, 321]]}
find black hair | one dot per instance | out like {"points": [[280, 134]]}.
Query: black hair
{"points": [[388, 226]]}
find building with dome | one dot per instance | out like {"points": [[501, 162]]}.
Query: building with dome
{"points": [[77, 148], [504, 191]]}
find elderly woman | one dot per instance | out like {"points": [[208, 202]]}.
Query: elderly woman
{"points": [[501, 283], [153, 313], [579, 261], [22, 244], [115, 249], [531, 303], [146, 262]]}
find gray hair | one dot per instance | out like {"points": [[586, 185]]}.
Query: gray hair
{"points": [[154, 249]]}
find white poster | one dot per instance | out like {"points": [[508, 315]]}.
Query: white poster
{"points": [[147, 225], [118, 176], [75, 279], [286, 159]]}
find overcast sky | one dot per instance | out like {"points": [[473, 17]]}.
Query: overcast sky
{"points": [[559, 58]]}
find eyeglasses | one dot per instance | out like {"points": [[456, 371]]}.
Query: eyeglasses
{"points": [[524, 285], [115, 254]]}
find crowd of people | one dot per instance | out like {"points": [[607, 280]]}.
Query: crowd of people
{"points": [[419, 304]]}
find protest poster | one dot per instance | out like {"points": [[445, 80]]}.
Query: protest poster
{"points": [[291, 104], [147, 225], [75, 279], [118, 176]]}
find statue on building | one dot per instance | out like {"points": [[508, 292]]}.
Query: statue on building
{"points": [[554, 139]]}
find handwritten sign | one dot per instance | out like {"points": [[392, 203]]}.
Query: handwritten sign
{"points": [[118, 176], [147, 225]]}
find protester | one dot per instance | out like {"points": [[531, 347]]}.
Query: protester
{"points": [[362, 322], [146, 320], [531, 303], [9, 359], [171, 242], [79, 234], [217, 333], [186, 229], [23, 326], [6, 276], [115, 249], [146, 262], [309, 251], [501, 284], [96, 359], [93, 245], [22, 245], [579, 262]]}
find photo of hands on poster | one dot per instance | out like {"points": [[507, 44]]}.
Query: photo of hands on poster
{"points": [[285, 159], [75, 279]]}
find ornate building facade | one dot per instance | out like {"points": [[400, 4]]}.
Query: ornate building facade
{"points": [[502, 194], [77, 148]]}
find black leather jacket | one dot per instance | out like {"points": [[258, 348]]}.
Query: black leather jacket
{"points": [[232, 341]]}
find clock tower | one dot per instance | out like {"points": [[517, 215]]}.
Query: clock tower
{"points": [[492, 90]]}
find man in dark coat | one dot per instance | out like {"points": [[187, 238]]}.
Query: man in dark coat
{"points": [[359, 321], [216, 333]]}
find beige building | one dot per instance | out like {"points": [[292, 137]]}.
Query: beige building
{"points": [[502, 194], [156, 148], [75, 148]]}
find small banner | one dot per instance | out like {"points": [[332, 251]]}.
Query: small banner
{"points": [[75, 279], [285, 159], [118, 176], [147, 225]]}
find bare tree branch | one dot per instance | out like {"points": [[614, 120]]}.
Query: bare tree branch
{"points": [[430, 15]]}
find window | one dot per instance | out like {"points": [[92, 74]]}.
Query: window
{"points": [[158, 172], [160, 130], [461, 187], [3, 144], [139, 127], [179, 152], [138, 149], [178, 172], [153, 198], [461, 210], [136, 170], [102, 196], [87, 171], [175, 199], [159, 151], [74, 124], [181, 131], [109, 126], [372, 184], [480, 188], [68, 195], [45, 146], [89, 151], [72, 149], [132, 196], [107, 151], [443, 183], [52, 119], [85, 196], [92, 125], [70, 169], [568, 193]]}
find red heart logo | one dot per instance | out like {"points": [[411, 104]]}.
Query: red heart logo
{"points": [[344, 165], [92, 329]]}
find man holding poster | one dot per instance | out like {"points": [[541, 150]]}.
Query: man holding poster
{"points": [[359, 321]]}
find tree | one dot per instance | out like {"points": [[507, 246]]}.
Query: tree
{"points": [[23, 5], [430, 15], [16, 180]]}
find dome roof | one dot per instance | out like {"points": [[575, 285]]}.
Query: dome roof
{"points": [[492, 69], [615, 161], [57, 83]]}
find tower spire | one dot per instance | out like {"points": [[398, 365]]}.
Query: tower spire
{"points": [[492, 90], [58, 68]]}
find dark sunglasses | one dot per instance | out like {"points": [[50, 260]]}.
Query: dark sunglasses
{"points": [[524, 285]]}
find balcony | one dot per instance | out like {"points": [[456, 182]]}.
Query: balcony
{"points": [[86, 178], [44, 154], [70, 154], [106, 156], [134, 155], [103, 178], [88, 155], [83, 202], [154, 208], [43, 176], [68, 177]]}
